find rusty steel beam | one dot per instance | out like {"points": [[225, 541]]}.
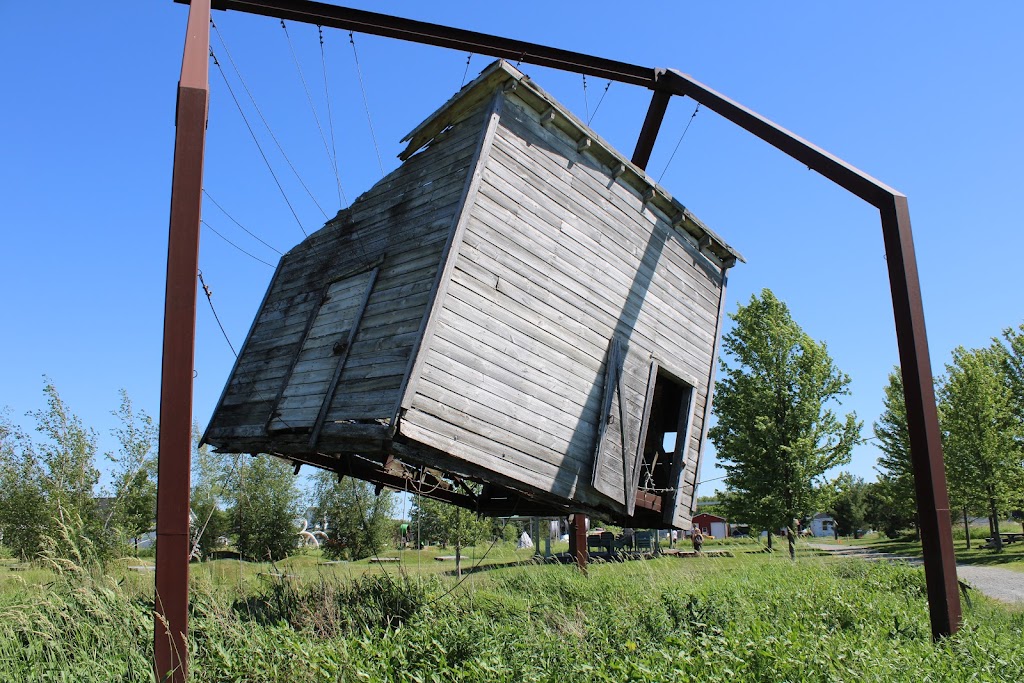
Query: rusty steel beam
{"points": [[649, 131], [912, 339], [835, 169], [170, 633], [438, 35], [926, 451], [922, 420]]}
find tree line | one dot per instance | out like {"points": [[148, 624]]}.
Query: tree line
{"points": [[778, 433], [981, 414], [51, 504]]}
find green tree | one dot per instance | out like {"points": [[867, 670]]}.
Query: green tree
{"points": [[449, 524], [1010, 358], [1010, 354], [265, 506], [776, 434], [884, 511], [983, 463], [894, 466], [849, 506], [67, 454], [22, 502], [358, 522], [134, 508], [212, 477]]}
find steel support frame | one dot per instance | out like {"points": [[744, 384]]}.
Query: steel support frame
{"points": [[170, 633], [922, 420]]}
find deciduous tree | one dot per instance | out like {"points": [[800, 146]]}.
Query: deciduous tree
{"points": [[358, 522], [1010, 352], [849, 506], [265, 506], [894, 465], [213, 476], [134, 507], [67, 455], [23, 511], [983, 463], [777, 433]]}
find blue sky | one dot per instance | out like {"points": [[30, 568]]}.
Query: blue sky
{"points": [[924, 96]]}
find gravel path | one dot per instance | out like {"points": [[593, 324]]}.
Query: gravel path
{"points": [[1004, 585]]}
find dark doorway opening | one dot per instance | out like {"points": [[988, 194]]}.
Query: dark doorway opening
{"points": [[665, 433]]}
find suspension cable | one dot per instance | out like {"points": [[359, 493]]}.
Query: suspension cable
{"points": [[217, 233], [312, 107], [605, 92], [259, 112], [692, 117], [209, 297], [330, 119], [366, 104], [233, 220], [586, 104], [258, 146], [465, 73]]}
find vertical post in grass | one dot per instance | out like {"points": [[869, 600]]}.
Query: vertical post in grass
{"points": [[578, 540], [170, 633]]}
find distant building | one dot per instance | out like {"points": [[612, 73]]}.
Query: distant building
{"points": [[823, 525], [712, 524]]}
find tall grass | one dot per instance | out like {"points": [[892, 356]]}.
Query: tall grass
{"points": [[749, 618]]}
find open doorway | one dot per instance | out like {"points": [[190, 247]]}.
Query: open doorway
{"points": [[664, 436]]}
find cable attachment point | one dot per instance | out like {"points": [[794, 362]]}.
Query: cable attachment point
{"points": [[207, 290]]}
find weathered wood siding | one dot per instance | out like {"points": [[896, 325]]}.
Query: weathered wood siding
{"points": [[399, 229], [557, 258]]}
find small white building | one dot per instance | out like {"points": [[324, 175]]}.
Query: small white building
{"points": [[823, 525]]}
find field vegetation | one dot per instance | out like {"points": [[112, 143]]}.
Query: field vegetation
{"points": [[751, 617]]}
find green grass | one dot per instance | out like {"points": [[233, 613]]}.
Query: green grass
{"points": [[752, 617], [1010, 557]]}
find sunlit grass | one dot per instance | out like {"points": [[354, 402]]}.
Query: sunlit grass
{"points": [[750, 617]]}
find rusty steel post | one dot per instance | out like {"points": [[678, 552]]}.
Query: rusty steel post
{"points": [[578, 540], [922, 421], [170, 634]]}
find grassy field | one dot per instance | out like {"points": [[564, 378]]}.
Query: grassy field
{"points": [[751, 617], [1010, 557]]}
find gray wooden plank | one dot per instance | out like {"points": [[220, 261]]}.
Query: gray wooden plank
{"points": [[624, 258], [488, 123]]}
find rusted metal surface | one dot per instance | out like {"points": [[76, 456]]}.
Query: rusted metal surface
{"points": [[926, 450], [442, 36], [922, 420], [578, 540], [175, 445], [652, 125]]}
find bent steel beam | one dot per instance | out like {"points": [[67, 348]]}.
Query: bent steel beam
{"points": [[175, 442], [926, 449]]}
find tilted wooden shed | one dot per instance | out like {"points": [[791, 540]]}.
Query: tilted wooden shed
{"points": [[516, 305]]}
